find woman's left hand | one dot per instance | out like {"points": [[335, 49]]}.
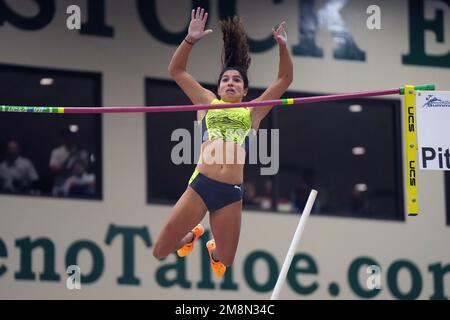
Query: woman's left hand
{"points": [[279, 33]]}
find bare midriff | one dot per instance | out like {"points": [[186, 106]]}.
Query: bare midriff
{"points": [[222, 161]]}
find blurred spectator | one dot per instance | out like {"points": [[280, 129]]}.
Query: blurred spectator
{"points": [[265, 200], [63, 159], [252, 198], [360, 201], [17, 174], [303, 189], [301, 196], [249, 194], [80, 183]]}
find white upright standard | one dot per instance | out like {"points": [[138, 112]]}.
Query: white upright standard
{"points": [[294, 243]]}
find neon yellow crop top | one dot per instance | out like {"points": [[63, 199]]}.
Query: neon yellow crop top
{"points": [[229, 124]]}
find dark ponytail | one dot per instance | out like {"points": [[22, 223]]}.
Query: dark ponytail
{"points": [[235, 52]]}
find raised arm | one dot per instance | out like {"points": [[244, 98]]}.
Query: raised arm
{"points": [[284, 79], [177, 66]]}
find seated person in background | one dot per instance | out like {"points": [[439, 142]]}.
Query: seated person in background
{"points": [[251, 197], [62, 160], [80, 183], [249, 194], [17, 174]]}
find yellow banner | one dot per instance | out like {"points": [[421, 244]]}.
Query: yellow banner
{"points": [[411, 165]]}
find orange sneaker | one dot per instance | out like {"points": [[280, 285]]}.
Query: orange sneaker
{"points": [[218, 267], [188, 247]]}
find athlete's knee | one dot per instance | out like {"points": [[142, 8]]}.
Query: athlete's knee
{"points": [[159, 252]]}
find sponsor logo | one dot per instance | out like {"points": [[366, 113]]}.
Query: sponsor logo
{"points": [[434, 102]]}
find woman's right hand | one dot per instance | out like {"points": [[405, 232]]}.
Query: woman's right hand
{"points": [[197, 25], [279, 33]]}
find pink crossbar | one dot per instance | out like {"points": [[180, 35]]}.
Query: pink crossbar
{"points": [[196, 107]]}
